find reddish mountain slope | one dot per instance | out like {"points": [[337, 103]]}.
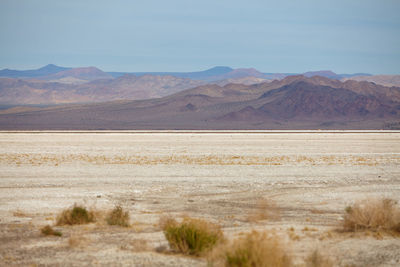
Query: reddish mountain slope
{"points": [[309, 101]]}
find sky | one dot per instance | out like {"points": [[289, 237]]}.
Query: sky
{"points": [[292, 36]]}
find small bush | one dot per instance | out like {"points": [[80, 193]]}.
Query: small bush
{"points": [[255, 249], [191, 236], [48, 230], [75, 215], [118, 217], [372, 214]]}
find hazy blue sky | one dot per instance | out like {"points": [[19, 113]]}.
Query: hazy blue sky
{"points": [[345, 36]]}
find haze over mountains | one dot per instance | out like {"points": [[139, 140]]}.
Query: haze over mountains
{"points": [[53, 84], [46, 70], [386, 80], [213, 74], [294, 102], [19, 91]]}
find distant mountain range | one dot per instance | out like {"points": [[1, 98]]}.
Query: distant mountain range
{"points": [[44, 71], [295, 102], [55, 85], [217, 98], [216, 72], [84, 74], [213, 74]]}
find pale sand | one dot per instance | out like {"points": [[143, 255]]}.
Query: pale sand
{"points": [[310, 176]]}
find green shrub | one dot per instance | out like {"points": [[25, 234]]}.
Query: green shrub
{"points": [[75, 215], [191, 236], [118, 217], [48, 230]]}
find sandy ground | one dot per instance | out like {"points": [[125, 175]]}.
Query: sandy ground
{"points": [[227, 178]]}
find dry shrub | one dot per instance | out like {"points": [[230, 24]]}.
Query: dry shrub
{"points": [[166, 220], [326, 235], [293, 236], [264, 210], [19, 213], [118, 217], [191, 236], [255, 249], [48, 230], [75, 215], [315, 259], [372, 214]]}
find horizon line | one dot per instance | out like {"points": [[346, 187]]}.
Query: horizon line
{"points": [[198, 70]]}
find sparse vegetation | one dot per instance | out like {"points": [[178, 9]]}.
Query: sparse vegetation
{"points": [[75, 215], [33, 159], [191, 236], [19, 213], [372, 214], [315, 259], [255, 249], [118, 217], [292, 234], [48, 230]]}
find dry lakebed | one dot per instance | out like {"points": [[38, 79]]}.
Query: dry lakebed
{"points": [[294, 183]]}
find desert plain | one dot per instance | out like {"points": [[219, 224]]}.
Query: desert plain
{"points": [[294, 183]]}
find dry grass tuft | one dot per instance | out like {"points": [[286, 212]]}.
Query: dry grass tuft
{"points": [[48, 230], [19, 213], [166, 220], [264, 210], [75, 215], [374, 215], [118, 217], [255, 249], [315, 259], [292, 234], [191, 236]]}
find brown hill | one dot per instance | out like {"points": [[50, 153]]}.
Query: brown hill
{"points": [[323, 73], [307, 101], [362, 87]]}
